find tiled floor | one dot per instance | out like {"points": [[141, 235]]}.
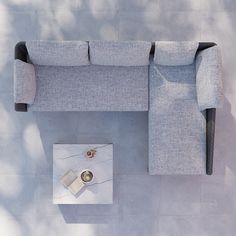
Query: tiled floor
{"points": [[143, 204]]}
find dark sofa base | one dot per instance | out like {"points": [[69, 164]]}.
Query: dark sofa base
{"points": [[21, 107], [210, 135]]}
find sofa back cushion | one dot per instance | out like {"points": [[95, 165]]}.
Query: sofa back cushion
{"points": [[175, 53], [53, 53], [127, 53], [24, 82]]}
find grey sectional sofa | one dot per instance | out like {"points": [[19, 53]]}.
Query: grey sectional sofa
{"points": [[178, 83]]}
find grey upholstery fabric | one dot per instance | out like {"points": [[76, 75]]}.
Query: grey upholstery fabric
{"points": [[177, 129], [172, 53], [132, 53], [91, 88], [24, 82], [56, 53], [209, 78]]}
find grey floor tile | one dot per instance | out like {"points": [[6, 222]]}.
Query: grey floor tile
{"points": [[62, 4], [11, 225], [217, 225], [17, 6], [57, 121], [74, 25], [134, 225], [30, 6], [22, 26], [178, 226], [229, 5], [190, 5], [132, 122], [90, 214], [217, 197], [181, 195], [97, 122], [55, 225], [216, 24], [22, 150], [16, 193], [160, 25], [8, 125], [6, 67], [132, 154], [5, 25], [183, 208], [181, 188], [202, 225], [15, 159], [12, 124], [131, 149], [134, 25], [225, 161], [136, 195], [179, 25], [21, 146], [98, 5], [138, 5]]}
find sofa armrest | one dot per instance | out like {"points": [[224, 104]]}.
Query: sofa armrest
{"points": [[209, 78], [210, 121], [24, 84], [21, 53], [210, 134]]}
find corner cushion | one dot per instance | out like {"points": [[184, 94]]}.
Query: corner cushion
{"points": [[127, 53], [55, 53], [24, 82], [209, 78], [175, 53]]}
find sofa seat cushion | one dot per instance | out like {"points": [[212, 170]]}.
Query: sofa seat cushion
{"points": [[177, 129], [58, 53], [91, 88], [126, 53], [171, 53]]}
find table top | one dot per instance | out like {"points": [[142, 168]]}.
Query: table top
{"points": [[74, 157]]}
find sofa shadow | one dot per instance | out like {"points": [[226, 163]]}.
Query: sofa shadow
{"points": [[88, 214], [79, 127], [224, 154]]}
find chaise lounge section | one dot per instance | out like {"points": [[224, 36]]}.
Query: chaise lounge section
{"points": [[184, 89], [178, 83]]}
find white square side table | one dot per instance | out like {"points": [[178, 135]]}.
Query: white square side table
{"points": [[73, 158]]}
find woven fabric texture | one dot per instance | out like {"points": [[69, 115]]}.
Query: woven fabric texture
{"points": [[56, 53], [125, 53], [171, 53], [24, 82], [177, 129], [209, 78], [91, 88]]}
